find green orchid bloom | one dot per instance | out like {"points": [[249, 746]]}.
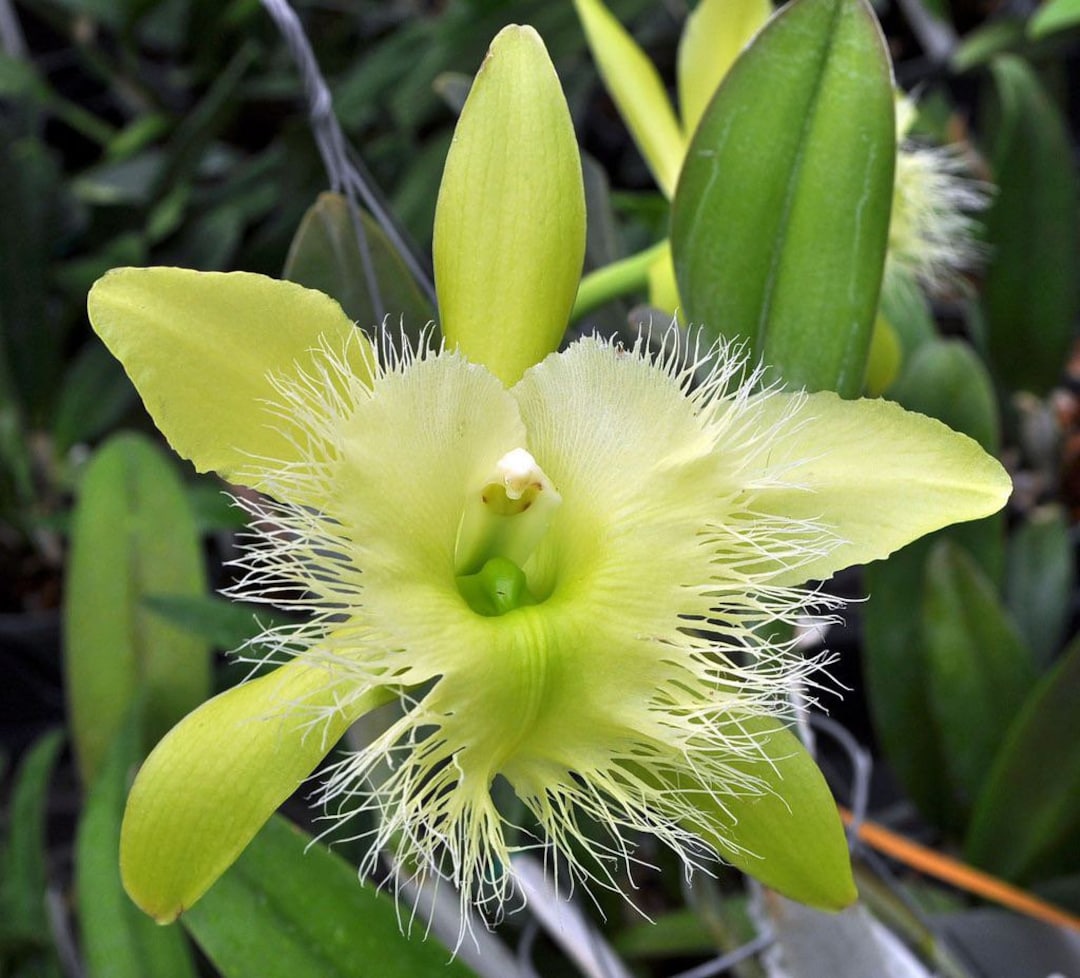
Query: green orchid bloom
{"points": [[561, 569]]}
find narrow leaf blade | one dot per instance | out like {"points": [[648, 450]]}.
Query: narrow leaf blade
{"points": [[1031, 295], [980, 670], [289, 909], [325, 255], [118, 941], [132, 518], [1026, 825]]}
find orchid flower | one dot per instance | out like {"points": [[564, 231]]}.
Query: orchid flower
{"points": [[563, 569]]}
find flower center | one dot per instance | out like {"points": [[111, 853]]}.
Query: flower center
{"points": [[503, 520]]}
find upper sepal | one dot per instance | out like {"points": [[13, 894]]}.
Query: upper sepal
{"points": [[510, 220]]}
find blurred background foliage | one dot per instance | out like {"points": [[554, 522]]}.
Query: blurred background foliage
{"points": [[176, 132]]}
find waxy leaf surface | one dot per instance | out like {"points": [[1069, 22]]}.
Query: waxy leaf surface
{"points": [[289, 909], [781, 215], [133, 535], [1031, 294], [1027, 821]]}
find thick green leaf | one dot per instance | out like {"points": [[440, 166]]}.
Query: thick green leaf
{"points": [[897, 682], [781, 215], [118, 940], [289, 909], [1026, 825], [1053, 16], [1030, 299], [24, 881], [224, 624], [790, 838], [133, 534], [325, 255], [980, 671], [93, 398], [986, 41], [680, 933], [30, 193], [1040, 580]]}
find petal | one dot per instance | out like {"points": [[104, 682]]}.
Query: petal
{"points": [[635, 85], [510, 219], [219, 774], [201, 348], [407, 457], [874, 474], [790, 836], [714, 35]]}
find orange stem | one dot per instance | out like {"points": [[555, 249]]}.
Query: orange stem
{"points": [[959, 874]]}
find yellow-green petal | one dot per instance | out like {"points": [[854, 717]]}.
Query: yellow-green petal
{"points": [[790, 836], [874, 474], [218, 775], [635, 85], [510, 219], [715, 32], [201, 348]]}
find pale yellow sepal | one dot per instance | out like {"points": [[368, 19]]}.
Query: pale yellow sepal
{"points": [[714, 35], [219, 774], [510, 220], [638, 91], [877, 475], [201, 348]]}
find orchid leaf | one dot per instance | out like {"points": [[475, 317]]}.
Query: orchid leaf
{"points": [[1054, 16], [325, 255], [781, 216], [1031, 296], [289, 908], [1040, 579], [1026, 824], [894, 664], [224, 624], [510, 220], [24, 921], [979, 668], [218, 775], [638, 91], [133, 519], [204, 347], [117, 940]]}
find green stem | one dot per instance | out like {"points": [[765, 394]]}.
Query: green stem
{"points": [[618, 278]]}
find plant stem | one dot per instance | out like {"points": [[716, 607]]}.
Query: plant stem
{"points": [[614, 280]]}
